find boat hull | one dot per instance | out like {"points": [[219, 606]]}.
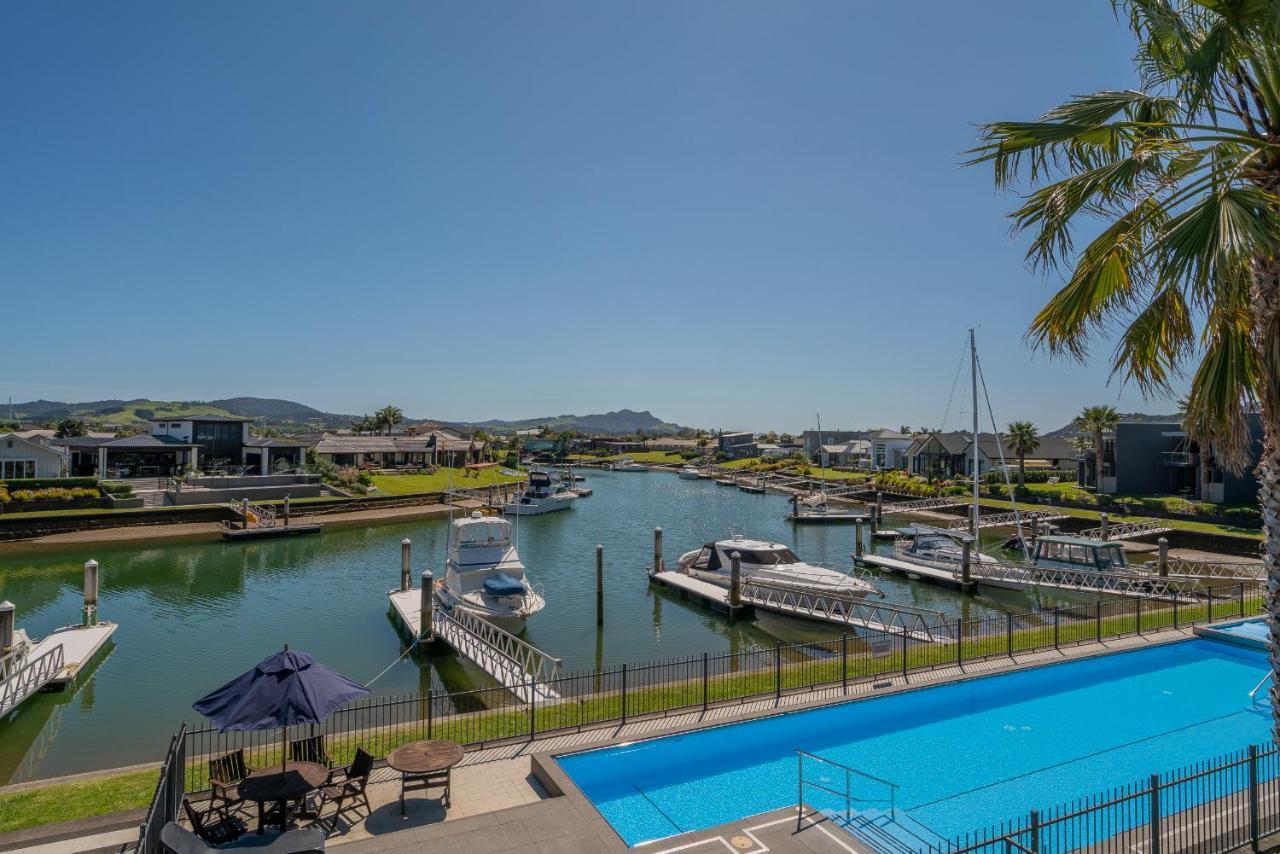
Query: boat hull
{"points": [[545, 505]]}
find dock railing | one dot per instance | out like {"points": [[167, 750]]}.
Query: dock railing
{"points": [[692, 685], [23, 676]]}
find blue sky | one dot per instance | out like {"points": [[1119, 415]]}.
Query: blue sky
{"points": [[733, 214]]}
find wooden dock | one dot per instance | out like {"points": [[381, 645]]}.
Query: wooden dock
{"points": [[51, 663], [520, 667], [713, 596]]}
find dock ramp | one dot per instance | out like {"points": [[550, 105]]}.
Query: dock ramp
{"points": [[918, 624], [517, 665], [48, 663]]}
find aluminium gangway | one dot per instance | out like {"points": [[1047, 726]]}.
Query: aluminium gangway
{"points": [[1003, 520], [517, 665], [918, 624]]}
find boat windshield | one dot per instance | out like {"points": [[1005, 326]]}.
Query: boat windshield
{"points": [[772, 557]]}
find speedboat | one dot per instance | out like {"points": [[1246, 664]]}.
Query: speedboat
{"points": [[774, 563], [627, 465], [543, 495], [690, 473], [484, 575], [1056, 552], [937, 547]]}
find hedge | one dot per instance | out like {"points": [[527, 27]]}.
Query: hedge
{"points": [[51, 483]]}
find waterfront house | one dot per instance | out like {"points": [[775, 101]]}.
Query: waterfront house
{"points": [[938, 455], [1052, 452], [736, 445], [434, 449], [1158, 457], [27, 457], [813, 440], [852, 454]]}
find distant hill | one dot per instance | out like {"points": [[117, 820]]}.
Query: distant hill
{"points": [[616, 423], [1072, 430], [286, 414]]}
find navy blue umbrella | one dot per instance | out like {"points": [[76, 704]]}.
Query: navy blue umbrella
{"points": [[284, 690]]}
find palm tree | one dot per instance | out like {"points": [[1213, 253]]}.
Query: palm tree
{"points": [[1097, 420], [1180, 182], [389, 417], [1023, 438], [1201, 434]]}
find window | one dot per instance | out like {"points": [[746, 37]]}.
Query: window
{"points": [[17, 469]]}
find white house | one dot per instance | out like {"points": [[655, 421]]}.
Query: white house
{"points": [[25, 458]]}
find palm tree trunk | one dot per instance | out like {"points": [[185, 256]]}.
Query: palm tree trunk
{"points": [[1266, 288], [1206, 471], [1022, 464], [1097, 462]]}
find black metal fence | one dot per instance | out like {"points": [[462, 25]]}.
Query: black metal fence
{"points": [[167, 799], [1216, 806], [492, 716]]}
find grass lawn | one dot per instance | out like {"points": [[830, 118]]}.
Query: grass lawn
{"points": [[1116, 517], [745, 462], [832, 474], [410, 484], [67, 801], [660, 457]]}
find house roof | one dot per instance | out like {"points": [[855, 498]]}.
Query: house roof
{"points": [[333, 444], [34, 442], [855, 446], [276, 442], [234, 419], [887, 434], [1050, 448]]}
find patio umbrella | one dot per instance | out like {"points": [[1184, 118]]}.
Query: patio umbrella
{"points": [[286, 689]]}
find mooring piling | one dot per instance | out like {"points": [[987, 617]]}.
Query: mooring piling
{"points": [[735, 579], [426, 611], [599, 584], [90, 593], [1163, 545], [657, 549], [406, 577]]}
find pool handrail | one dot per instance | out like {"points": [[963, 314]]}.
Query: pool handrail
{"points": [[1253, 695], [847, 794]]}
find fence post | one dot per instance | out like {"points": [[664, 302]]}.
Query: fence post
{"points": [[1097, 618], [1137, 614], [431, 705], [705, 683], [1253, 797], [1008, 632], [1175, 612], [1241, 587], [960, 642], [533, 711], [844, 663], [904, 652], [624, 693], [1035, 831], [777, 671], [1056, 611], [1155, 814]]}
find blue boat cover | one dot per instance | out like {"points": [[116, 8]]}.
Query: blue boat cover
{"points": [[502, 585]]}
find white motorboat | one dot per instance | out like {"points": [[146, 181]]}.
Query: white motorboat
{"points": [[774, 563], [484, 574], [814, 508], [543, 495], [937, 547], [627, 465], [690, 473]]}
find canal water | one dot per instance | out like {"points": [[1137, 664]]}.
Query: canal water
{"points": [[193, 615]]}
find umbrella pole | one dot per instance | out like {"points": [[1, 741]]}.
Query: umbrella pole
{"points": [[284, 748]]}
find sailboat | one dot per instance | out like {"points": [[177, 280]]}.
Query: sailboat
{"points": [[814, 507]]}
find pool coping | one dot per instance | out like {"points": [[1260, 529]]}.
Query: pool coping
{"points": [[547, 770]]}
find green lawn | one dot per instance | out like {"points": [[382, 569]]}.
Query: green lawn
{"points": [[832, 474], [67, 801], [659, 457], [411, 484], [745, 462], [1116, 517]]}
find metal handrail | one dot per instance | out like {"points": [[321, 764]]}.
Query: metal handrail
{"points": [[33, 676], [1256, 688], [995, 520], [1123, 530], [1085, 579], [847, 793], [1214, 570], [834, 607], [924, 504], [524, 655]]}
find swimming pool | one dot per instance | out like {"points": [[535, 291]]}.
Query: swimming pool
{"points": [[964, 755], [1251, 633]]}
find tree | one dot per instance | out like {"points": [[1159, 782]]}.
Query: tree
{"points": [[1183, 178], [1023, 438], [69, 427], [388, 418], [1097, 420]]}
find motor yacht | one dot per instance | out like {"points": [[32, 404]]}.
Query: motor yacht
{"points": [[543, 495], [773, 563], [484, 574]]}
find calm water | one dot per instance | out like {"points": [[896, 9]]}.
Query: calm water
{"points": [[193, 615]]}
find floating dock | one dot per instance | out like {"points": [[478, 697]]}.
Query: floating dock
{"points": [[520, 667], [935, 575], [267, 533], [51, 663], [916, 624]]}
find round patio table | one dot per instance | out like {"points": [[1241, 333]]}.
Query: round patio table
{"points": [[424, 763], [281, 786]]}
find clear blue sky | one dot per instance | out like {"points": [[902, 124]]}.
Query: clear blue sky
{"points": [[730, 213]]}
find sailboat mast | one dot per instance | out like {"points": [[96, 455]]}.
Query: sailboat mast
{"points": [[973, 376]]}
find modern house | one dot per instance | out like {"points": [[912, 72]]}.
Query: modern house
{"points": [[813, 440], [1157, 457], [27, 457], [437, 448], [855, 453], [177, 444], [938, 456], [888, 448], [1052, 452], [736, 445]]}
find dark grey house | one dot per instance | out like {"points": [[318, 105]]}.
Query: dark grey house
{"points": [[736, 445], [1158, 458]]}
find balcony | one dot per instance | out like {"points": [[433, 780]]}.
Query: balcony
{"points": [[1178, 458]]}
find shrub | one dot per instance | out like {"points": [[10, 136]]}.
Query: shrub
{"points": [[45, 482], [53, 494], [119, 490]]}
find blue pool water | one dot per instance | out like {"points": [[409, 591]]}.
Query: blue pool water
{"points": [[964, 755], [1254, 630]]}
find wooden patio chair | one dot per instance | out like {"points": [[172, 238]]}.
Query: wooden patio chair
{"points": [[213, 828], [310, 749], [346, 784], [226, 772]]}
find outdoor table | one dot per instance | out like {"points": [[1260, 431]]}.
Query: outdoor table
{"points": [[273, 785], [421, 761]]}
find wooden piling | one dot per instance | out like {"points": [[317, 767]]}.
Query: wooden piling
{"points": [[426, 610], [857, 541], [966, 559], [735, 579], [90, 593], [406, 579], [1164, 556], [599, 584], [879, 507], [286, 511], [8, 617], [657, 549], [1105, 525], [244, 514]]}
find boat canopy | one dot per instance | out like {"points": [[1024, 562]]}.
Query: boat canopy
{"points": [[502, 584], [481, 531]]}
